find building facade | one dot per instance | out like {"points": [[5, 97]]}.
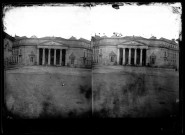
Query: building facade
{"points": [[8, 43], [52, 51], [135, 51], [57, 51]]}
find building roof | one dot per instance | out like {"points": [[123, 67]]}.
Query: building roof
{"points": [[33, 36], [72, 38], [84, 40], [5, 35], [135, 38], [167, 40], [152, 37]]}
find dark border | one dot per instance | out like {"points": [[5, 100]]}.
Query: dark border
{"points": [[165, 125]]}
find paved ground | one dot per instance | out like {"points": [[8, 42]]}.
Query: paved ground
{"points": [[118, 91]]}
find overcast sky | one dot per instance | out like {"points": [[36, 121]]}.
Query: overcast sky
{"points": [[65, 21]]}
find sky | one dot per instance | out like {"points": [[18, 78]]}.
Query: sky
{"points": [[157, 20]]}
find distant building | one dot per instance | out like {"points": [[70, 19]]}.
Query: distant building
{"points": [[115, 50], [8, 43], [54, 51], [136, 51]]}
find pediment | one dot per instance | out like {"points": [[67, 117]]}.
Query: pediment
{"points": [[112, 54], [51, 43], [131, 43]]}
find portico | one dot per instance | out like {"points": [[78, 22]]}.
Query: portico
{"points": [[132, 55], [50, 55]]}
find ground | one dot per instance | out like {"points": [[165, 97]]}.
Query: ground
{"points": [[48, 91], [118, 91]]}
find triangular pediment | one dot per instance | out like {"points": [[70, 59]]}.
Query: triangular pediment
{"points": [[112, 54], [51, 43], [72, 56], [131, 43]]}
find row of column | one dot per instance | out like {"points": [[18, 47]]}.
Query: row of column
{"points": [[129, 56], [49, 56], [14, 59]]}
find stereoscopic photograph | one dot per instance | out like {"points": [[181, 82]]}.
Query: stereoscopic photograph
{"points": [[92, 60]]}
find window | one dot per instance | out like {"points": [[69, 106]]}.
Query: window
{"points": [[72, 61], [152, 59], [31, 59], [112, 59]]}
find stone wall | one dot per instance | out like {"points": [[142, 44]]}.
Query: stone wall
{"points": [[7, 51], [27, 51], [81, 55], [105, 58]]}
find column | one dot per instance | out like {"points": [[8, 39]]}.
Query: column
{"points": [[123, 56], [20, 60], [37, 56], [43, 56], [65, 56], [118, 56], [60, 57], [49, 51], [129, 56], [146, 58], [135, 58], [93, 55], [54, 56], [141, 56], [98, 55]]}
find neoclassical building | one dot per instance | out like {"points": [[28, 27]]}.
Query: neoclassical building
{"points": [[135, 51], [52, 51], [57, 51], [8, 43]]}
